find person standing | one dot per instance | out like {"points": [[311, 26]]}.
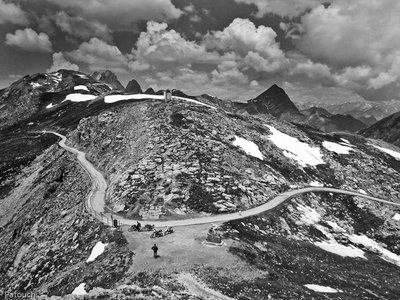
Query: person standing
{"points": [[155, 249]]}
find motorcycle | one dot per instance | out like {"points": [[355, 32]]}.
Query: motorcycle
{"points": [[133, 228], [157, 233], [169, 230], [148, 227]]}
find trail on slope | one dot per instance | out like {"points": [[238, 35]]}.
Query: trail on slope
{"points": [[96, 199]]}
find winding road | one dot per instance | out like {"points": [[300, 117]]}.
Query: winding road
{"points": [[96, 198]]}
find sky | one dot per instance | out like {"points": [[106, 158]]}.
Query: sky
{"points": [[328, 51]]}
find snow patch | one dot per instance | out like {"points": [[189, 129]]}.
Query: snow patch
{"points": [[82, 76], [371, 244], [316, 183], [345, 141], [335, 147], [79, 97], [80, 289], [35, 85], [345, 251], [362, 192], [50, 106], [321, 288], [299, 151], [396, 217], [81, 87], [392, 153], [97, 250], [248, 146], [309, 215], [57, 77]]}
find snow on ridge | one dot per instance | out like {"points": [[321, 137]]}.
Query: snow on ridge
{"points": [[303, 153], [345, 141], [321, 288], [316, 183], [248, 146], [81, 87], [76, 97], [116, 98], [392, 153], [335, 147], [79, 290], [97, 250], [50, 106], [193, 101]]}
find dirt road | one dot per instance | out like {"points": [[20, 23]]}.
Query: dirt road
{"points": [[96, 199]]}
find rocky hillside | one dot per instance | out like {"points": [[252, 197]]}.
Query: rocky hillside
{"points": [[183, 159], [387, 129]]}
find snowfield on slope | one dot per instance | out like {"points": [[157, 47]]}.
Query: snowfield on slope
{"points": [[393, 153], [371, 244], [97, 250], [248, 146], [303, 153], [335, 147], [321, 288], [339, 249]]}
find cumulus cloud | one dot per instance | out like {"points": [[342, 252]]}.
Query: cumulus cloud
{"points": [[80, 27], [159, 47], [120, 14], [12, 13], [283, 8], [99, 56], [59, 62], [256, 45], [29, 40]]}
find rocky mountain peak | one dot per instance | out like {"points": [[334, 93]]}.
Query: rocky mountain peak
{"points": [[274, 101], [109, 78], [133, 87]]}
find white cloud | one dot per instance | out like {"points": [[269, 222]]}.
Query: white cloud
{"points": [[256, 45], [158, 47], [80, 27], [29, 40], [12, 13], [99, 56], [228, 74], [121, 14], [283, 8], [59, 62]]}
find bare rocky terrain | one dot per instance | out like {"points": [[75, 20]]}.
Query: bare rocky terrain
{"points": [[180, 160]]}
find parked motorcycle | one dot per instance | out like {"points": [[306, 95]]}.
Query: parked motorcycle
{"points": [[169, 230], [157, 233]]}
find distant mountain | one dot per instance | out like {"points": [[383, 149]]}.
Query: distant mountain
{"points": [[133, 87], [150, 91], [387, 129], [366, 111], [273, 101], [368, 120], [109, 78], [322, 119]]}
